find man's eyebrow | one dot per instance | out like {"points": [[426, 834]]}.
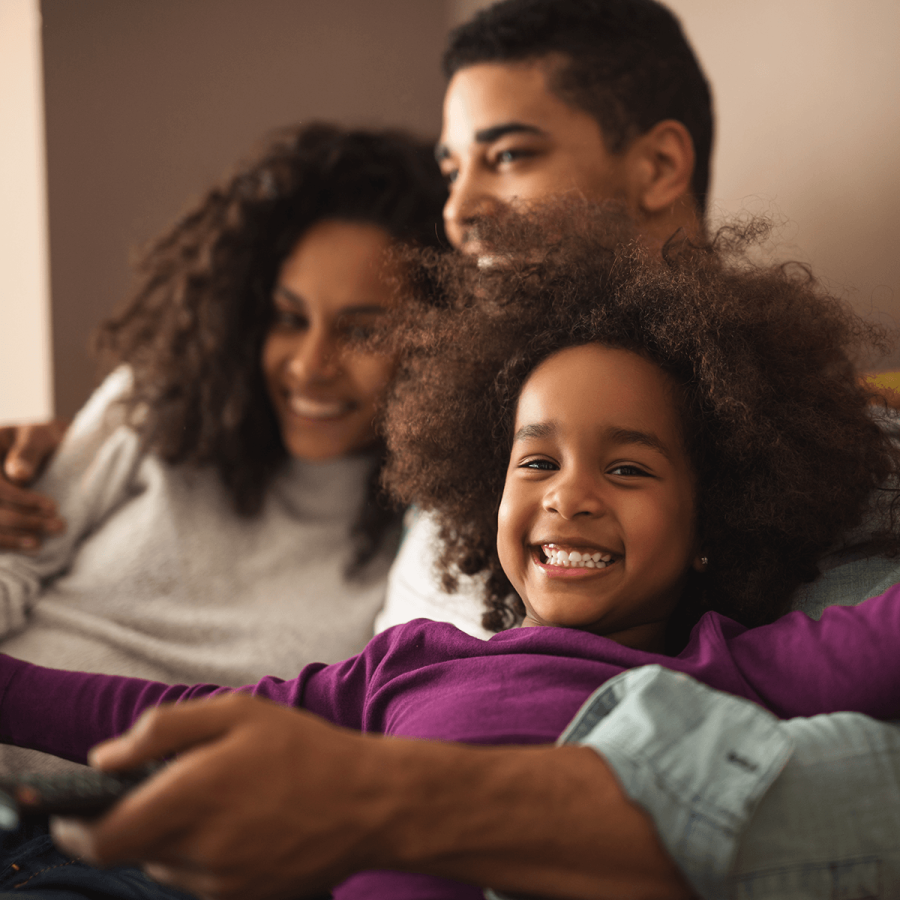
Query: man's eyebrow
{"points": [[634, 436], [491, 134], [535, 430], [495, 132]]}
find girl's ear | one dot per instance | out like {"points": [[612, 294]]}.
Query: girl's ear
{"points": [[662, 165]]}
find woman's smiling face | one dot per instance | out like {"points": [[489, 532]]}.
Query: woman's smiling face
{"points": [[597, 525], [333, 286]]}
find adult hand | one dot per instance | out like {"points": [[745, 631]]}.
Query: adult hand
{"points": [[243, 812], [25, 516], [267, 802]]}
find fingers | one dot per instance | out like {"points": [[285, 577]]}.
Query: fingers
{"points": [[151, 819], [25, 517], [28, 447], [245, 795], [167, 730]]}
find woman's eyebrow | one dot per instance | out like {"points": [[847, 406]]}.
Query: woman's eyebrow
{"points": [[287, 294], [361, 309]]}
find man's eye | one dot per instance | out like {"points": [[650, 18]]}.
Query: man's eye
{"points": [[504, 157], [450, 175]]}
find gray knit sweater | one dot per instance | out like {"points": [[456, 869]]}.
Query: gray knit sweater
{"points": [[157, 577]]}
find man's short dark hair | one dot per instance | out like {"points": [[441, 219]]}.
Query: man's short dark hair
{"points": [[626, 62]]}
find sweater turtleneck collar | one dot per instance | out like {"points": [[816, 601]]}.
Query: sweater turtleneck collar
{"points": [[327, 489]]}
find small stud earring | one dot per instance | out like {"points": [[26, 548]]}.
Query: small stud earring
{"points": [[704, 561]]}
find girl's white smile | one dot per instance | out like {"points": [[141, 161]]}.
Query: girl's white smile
{"points": [[575, 557]]}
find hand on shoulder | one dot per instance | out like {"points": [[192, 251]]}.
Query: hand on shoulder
{"points": [[26, 517]]}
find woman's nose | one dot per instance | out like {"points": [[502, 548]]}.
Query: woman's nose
{"points": [[315, 358]]}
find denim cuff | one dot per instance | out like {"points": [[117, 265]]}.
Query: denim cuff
{"points": [[697, 760]]}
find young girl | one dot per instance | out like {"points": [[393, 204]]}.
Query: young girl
{"points": [[618, 444], [221, 488]]}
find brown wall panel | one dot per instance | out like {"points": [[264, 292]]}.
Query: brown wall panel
{"points": [[148, 102]]}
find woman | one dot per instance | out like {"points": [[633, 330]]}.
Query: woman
{"points": [[221, 487]]}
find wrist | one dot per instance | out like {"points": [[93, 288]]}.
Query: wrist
{"points": [[534, 819]]}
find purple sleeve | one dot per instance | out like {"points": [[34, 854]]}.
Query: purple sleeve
{"points": [[848, 660], [66, 713]]}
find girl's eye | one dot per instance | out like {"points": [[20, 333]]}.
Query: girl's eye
{"points": [[629, 471], [543, 465]]}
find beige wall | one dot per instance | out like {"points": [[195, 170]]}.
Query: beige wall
{"points": [[808, 107], [148, 102], [25, 373]]}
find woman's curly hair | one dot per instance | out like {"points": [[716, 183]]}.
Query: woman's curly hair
{"points": [[192, 333], [778, 425]]}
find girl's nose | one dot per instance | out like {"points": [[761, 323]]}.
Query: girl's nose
{"points": [[574, 493]]}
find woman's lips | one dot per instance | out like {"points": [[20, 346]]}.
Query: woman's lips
{"points": [[310, 408]]}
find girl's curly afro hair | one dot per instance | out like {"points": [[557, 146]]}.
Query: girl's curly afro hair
{"points": [[779, 427]]}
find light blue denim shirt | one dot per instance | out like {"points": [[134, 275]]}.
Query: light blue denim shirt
{"points": [[747, 805]]}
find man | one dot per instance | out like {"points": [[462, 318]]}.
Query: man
{"points": [[270, 802]]}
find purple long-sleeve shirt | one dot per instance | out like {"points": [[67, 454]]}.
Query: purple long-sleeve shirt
{"points": [[430, 680]]}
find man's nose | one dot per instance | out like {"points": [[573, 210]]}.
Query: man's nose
{"points": [[469, 200]]}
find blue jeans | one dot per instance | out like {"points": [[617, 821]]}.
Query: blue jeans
{"points": [[32, 867]]}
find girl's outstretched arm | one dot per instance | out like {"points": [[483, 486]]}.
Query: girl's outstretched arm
{"points": [[845, 661], [67, 713]]}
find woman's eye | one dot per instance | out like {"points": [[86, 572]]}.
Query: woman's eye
{"points": [[354, 333], [283, 318]]}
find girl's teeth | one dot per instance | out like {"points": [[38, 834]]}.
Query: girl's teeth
{"points": [[576, 558]]}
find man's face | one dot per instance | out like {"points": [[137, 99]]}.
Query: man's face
{"points": [[506, 137]]}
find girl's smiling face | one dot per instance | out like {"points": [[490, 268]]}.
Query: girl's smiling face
{"points": [[332, 287], [597, 524]]}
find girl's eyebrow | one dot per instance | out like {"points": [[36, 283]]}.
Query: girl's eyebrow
{"points": [[536, 430], [363, 309], [613, 433], [635, 436]]}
